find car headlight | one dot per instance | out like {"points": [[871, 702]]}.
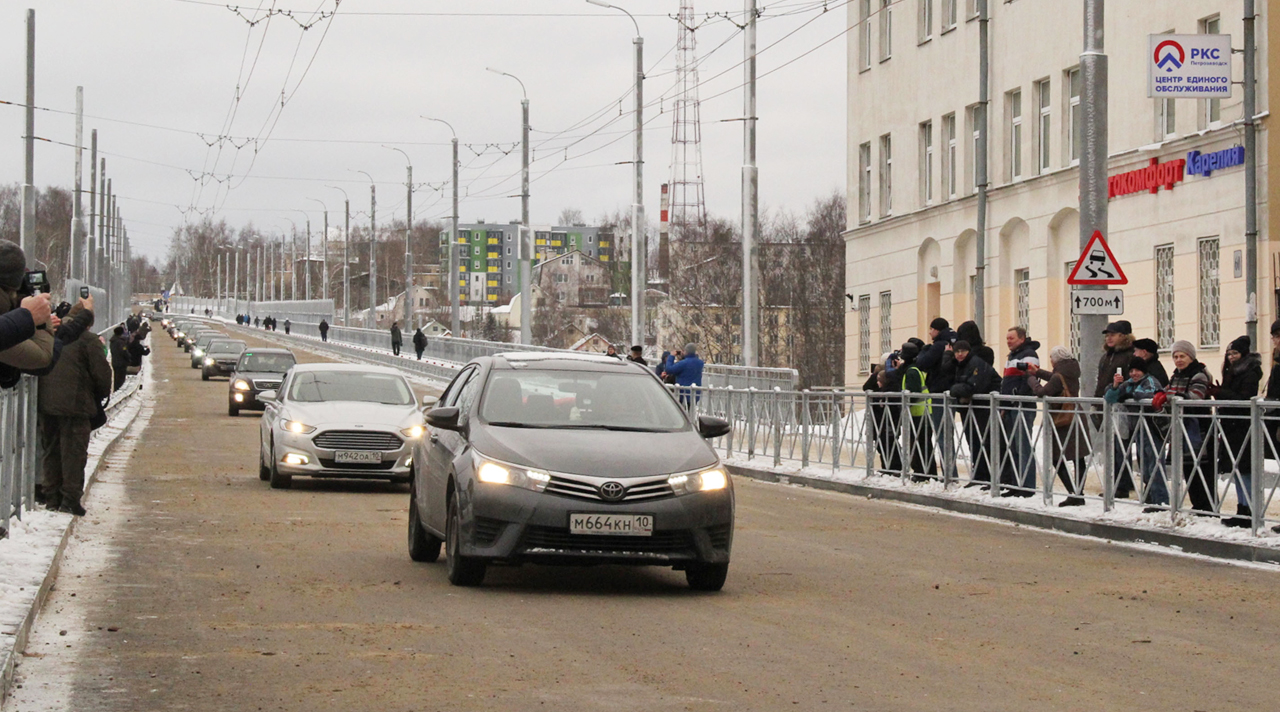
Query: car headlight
{"points": [[208, 362], [705, 481], [413, 432], [500, 474], [242, 386], [294, 426], [198, 352], [181, 335]]}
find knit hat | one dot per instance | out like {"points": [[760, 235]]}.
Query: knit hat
{"points": [[1275, 328], [939, 324], [961, 345], [909, 352], [13, 265], [917, 341], [1138, 364], [1149, 345], [1240, 345], [1185, 347]]}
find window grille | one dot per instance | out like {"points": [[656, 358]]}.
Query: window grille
{"points": [[864, 333], [1208, 249], [1022, 279], [1164, 296], [886, 322], [1073, 319]]}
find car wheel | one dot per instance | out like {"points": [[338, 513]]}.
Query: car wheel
{"points": [[423, 546], [279, 480], [706, 577], [264, 472], [204, 375], [463, 570], [233, 411]]}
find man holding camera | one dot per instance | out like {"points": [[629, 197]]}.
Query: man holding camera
{"points": [[23, 291]]}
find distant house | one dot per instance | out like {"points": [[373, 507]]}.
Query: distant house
{"points": [[574, 280], [591, 343]]}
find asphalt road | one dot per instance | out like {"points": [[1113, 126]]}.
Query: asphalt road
{"points": [[193, 586]]}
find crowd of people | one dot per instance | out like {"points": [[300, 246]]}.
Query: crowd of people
{"points": [[57, 345], [1129, 374]]}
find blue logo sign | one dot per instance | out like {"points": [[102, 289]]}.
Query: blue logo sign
{"points": [[1165, 56], [1204, 164]]}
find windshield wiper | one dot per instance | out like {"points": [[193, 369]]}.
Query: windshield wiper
{"points": [[514, 424], [619, 428]]}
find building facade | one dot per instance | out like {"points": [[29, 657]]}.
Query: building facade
{"points": [[488, 261], [1176, 218], [574, 279]]}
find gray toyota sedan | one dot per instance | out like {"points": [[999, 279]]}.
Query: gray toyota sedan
{"points": [[565, 459]]}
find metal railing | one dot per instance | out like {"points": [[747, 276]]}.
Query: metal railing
{"points": [[305, 320], [1212, 459]]}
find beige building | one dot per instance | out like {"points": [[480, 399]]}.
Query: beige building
{"points": [[574, 280], [911, 243]]}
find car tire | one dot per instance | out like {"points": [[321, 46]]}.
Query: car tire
{"points": [[233, 411], [423, 546], [264, 472], [204, 375], [706, 577], [463, 570], [279, 480]]}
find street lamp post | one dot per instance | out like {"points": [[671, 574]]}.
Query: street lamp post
{"points": [[373, 252], [324, 256], [522, 244], [639, 248], [455, 316], [346, 260], [408, 249]]}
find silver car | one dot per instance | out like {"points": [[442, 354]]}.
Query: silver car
{"points": [[340, 421]]}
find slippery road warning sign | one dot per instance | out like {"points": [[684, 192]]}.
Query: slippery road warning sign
{"points": [[1097, 265]]}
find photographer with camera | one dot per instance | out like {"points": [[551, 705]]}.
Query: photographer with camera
{"points": [[21, 290]]}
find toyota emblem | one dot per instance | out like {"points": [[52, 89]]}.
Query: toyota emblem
{"points": [[612, 491]]}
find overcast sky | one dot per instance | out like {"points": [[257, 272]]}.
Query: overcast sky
{"points": [[161, 76]]}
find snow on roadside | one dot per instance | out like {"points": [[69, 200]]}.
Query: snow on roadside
{"points": [[25, 557]]}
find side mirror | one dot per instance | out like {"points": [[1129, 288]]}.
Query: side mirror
{"points": [[709, 427], [267, 396], [444, 418], [430, 401]]}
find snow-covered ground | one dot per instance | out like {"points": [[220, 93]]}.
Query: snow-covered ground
{"points": [[28, 553]]}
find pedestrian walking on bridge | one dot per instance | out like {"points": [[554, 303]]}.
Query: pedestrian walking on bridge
{"points": [[419, 342], [324, 330], [396, 338]]}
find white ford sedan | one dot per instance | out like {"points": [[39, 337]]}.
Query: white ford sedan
{"points": [[339, 421]]}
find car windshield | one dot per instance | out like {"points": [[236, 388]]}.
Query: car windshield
{"points": [[265, 363], [226, 347], [320, 386], [532, 398], [203, 341]]}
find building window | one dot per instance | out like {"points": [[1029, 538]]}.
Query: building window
{"points": [[508, 279], [886, 29], [476, 250], [1166, 118], [1073, 116], [971, 9], [886, 175], [949, 156], [924, 20], [1074, 326], [508, 250], [1043, 126], [971, 162], [1211, 108], [864, 183], [926, 163], [886, 322], [1013, 100], [949, 14], [864, 333], [1022, 281], [508, 264], [1164, 296], [1208, 251], [864, 35]]}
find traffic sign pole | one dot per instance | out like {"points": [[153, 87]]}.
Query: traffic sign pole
{"points": [[1093, 172]]}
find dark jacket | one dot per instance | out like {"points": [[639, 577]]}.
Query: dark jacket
{"points": [[1155, 369], [324, 326], [1066, 373], [1113, 358], [638, 359], [396, 338], [974, 376], [419, 340], [1062, 381], [137, 349], [119, 350], [1014, 381], [938, 365], [78, 382], [969, 331], [1273, 383], [1240, 381], [16, 326]]}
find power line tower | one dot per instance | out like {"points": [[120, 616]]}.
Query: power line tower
{"points": [[688, 205]]}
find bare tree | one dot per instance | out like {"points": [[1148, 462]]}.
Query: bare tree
{"points": [[570, 216]]}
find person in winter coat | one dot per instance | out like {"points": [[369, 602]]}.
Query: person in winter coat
{"points": [[1241, 376], [287, 324], [396, 338], [637, 356], [1149, 351], [324, 330], [1117, 352], [969, 332], [119, 346], [1190, 382], [419, 342], [67, 399], [1070, 441], [1019, 470], [938, 363], [974, 377], [1140, 426], [686, 372], [910, 379], [137, 349], [1273, 381], [19, 324], [660, 369], [886, 417], [257, 322]]}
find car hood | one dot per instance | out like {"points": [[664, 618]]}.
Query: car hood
{"points": [[348, 414], [260, 375], [596, 453]]}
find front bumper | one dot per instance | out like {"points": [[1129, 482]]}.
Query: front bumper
{"points": [[505, 524], [395, 465], [219, 369]]}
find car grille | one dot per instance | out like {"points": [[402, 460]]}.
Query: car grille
{"points": [[357, 440], [720, 535], [636, 490], [330, 464], [488, 530], [662, 542], [266, 385]]}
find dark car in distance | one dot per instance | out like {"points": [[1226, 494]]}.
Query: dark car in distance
{"points": [[257, 371], [568, 460], [221, 357]]}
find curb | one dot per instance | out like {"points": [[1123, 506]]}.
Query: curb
{"points": [[1176, 543], [9, 666]]}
